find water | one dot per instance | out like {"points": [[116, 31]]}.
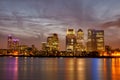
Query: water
{"points": [[14, 68]]}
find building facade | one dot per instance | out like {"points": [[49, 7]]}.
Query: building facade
{"points": [[80, 41], [70, 40], [53, 42], [10, 42], [15, 44], [95, 40]]}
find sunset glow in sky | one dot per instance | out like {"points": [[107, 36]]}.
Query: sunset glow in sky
{"points": [[32, 21]]}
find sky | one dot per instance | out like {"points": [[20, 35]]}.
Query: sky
{"points": [[32, 21]]}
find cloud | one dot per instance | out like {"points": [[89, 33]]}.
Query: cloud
{"points": [[29, 26], [115, 23]]}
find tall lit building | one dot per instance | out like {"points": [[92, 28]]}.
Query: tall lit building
{"points": [[10, 41], [49, 43], [15, 43], [95, 40], [53, 42], [80, 40], [100, 40], [70, 40]]}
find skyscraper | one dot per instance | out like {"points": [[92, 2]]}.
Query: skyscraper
{"points": [[95, 40], [70, 40], [80, 40], [49, 43], [15, 43], [10, 41], [100, 40], [53, 42]]}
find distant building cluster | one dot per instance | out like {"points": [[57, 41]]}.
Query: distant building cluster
{"points": [[75, 41], [52, 43], [13, 43], [14, 47], [75, 45]]}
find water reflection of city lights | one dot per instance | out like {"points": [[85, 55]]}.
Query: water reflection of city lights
{"points": [[81, 71], [115, 69], [69, 69]]}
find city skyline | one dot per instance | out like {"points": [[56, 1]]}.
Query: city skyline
{"points": [[75, 41], [34, 20]]}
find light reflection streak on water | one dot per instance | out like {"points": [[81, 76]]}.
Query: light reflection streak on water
{"points": [[16, 69], [70, 69], [107, 71], [11, 69], [116, 69], [49, 68], [96, 69], [104, 69], [81, 69], [75, 69]]}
